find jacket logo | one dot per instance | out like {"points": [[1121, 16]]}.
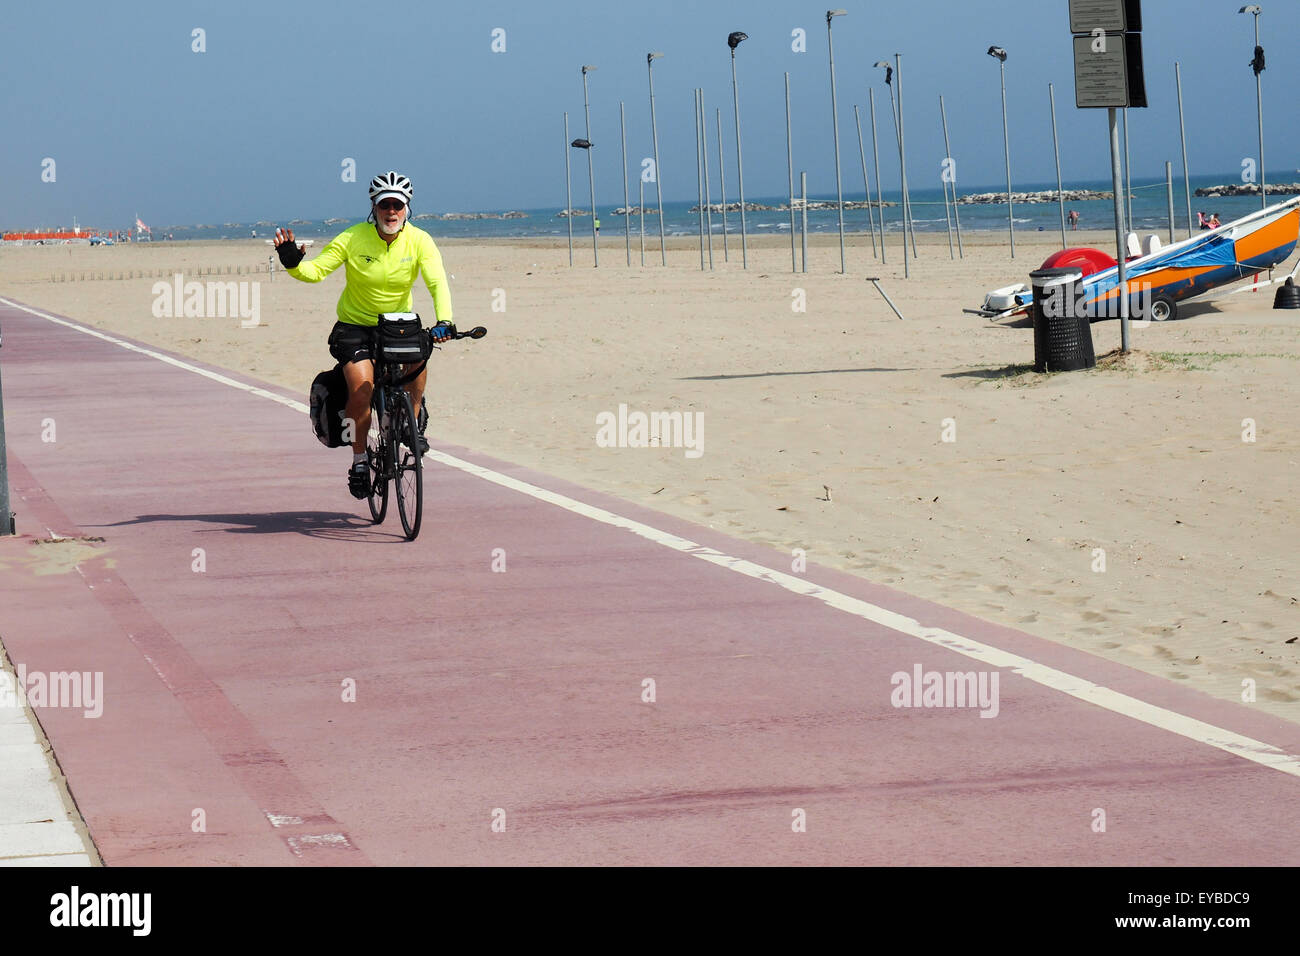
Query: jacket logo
{"points": [[369, 258]]}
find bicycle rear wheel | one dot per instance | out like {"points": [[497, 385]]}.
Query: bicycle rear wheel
{"points": [[377, 452], [409, 473]]}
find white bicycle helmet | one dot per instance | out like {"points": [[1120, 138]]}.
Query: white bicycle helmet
{"points": [[391, 184]]}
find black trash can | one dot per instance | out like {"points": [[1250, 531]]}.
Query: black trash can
{"points": [[1062, 332]]}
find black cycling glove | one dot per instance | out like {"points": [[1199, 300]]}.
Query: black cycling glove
{"points": [[290, 254]]}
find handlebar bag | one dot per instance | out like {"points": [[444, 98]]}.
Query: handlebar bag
{"points": [[400, 338]]}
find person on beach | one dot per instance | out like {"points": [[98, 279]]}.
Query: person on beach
{"points": [[383, 256], [1074, 219], [1201, 220], [1214, 220]]}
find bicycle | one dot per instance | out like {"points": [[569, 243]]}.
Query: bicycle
{"points": [[392, 446]]}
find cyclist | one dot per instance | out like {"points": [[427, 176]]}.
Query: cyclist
{"points": [[383, 256]]}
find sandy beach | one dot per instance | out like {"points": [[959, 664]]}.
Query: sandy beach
{"points": [[824, 429]]}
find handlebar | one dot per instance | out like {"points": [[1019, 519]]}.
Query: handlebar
{"points": [[449, 332]]}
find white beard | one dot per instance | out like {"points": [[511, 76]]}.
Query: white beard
{"points": [[383, 227]]}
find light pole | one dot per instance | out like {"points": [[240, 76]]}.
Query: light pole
{"points": [[654, 132], [956, 206], [591, 173], [1257, 64], [627, 213], [722, 179], [1056, 147], [1182, 132], [893, 111], [568, 188], [880, 196], [902, 151], [1001, 56], [734, 40], [789, 160], [866, 183], [835, 125], [583, 144]]}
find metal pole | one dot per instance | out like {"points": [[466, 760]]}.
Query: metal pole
{"points": [[722, 180], [902, 157], [699, 175], [789, 161], [654, 132], [803, 186], [1006, 146], [1259, 104], [591, 172], [1182, 132], [641, 209], [704, 155], [1056, 145], [956, 206], [1128, 176], [902, 181], [835, 127], [6, 516], [880, 196], [947, 215], [568, 187], [1116, 181], [627, 212], [740, 164], [866, 183], [1169, 189]]}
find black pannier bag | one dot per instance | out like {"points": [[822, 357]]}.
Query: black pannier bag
{"points": [[328, 402], [399, 338]]}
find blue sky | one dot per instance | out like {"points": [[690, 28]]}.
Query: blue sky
{"points": [[259, 124]]}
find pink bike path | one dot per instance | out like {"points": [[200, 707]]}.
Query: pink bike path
{"points": [[515, 697]]}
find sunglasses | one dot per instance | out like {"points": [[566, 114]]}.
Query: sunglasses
{"points": [[391, 204]]}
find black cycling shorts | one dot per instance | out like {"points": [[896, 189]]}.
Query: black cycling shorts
{"points": [[352, 343]]}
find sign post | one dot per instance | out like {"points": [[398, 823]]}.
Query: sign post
{"points": [[1108, 74]]}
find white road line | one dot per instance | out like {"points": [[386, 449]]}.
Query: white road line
{"points": [[1226, 740]]}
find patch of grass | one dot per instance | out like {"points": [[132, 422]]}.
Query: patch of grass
{"points": [[1204, 361]]}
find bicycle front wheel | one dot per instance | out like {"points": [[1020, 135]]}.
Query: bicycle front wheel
{"points": [[377, 452], [409, 474]]}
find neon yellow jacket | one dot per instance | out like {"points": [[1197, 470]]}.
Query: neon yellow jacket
{"points": [[380, 276]]}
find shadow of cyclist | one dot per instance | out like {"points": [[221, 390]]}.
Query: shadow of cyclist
{"points": [[316, 524]]}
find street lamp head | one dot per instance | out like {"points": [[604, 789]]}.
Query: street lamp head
{"points": [[998, 52], [889, 71], [1251, 8], [834, 13], [581, 144], [587, 69], [735, 39], [653, 56]]}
